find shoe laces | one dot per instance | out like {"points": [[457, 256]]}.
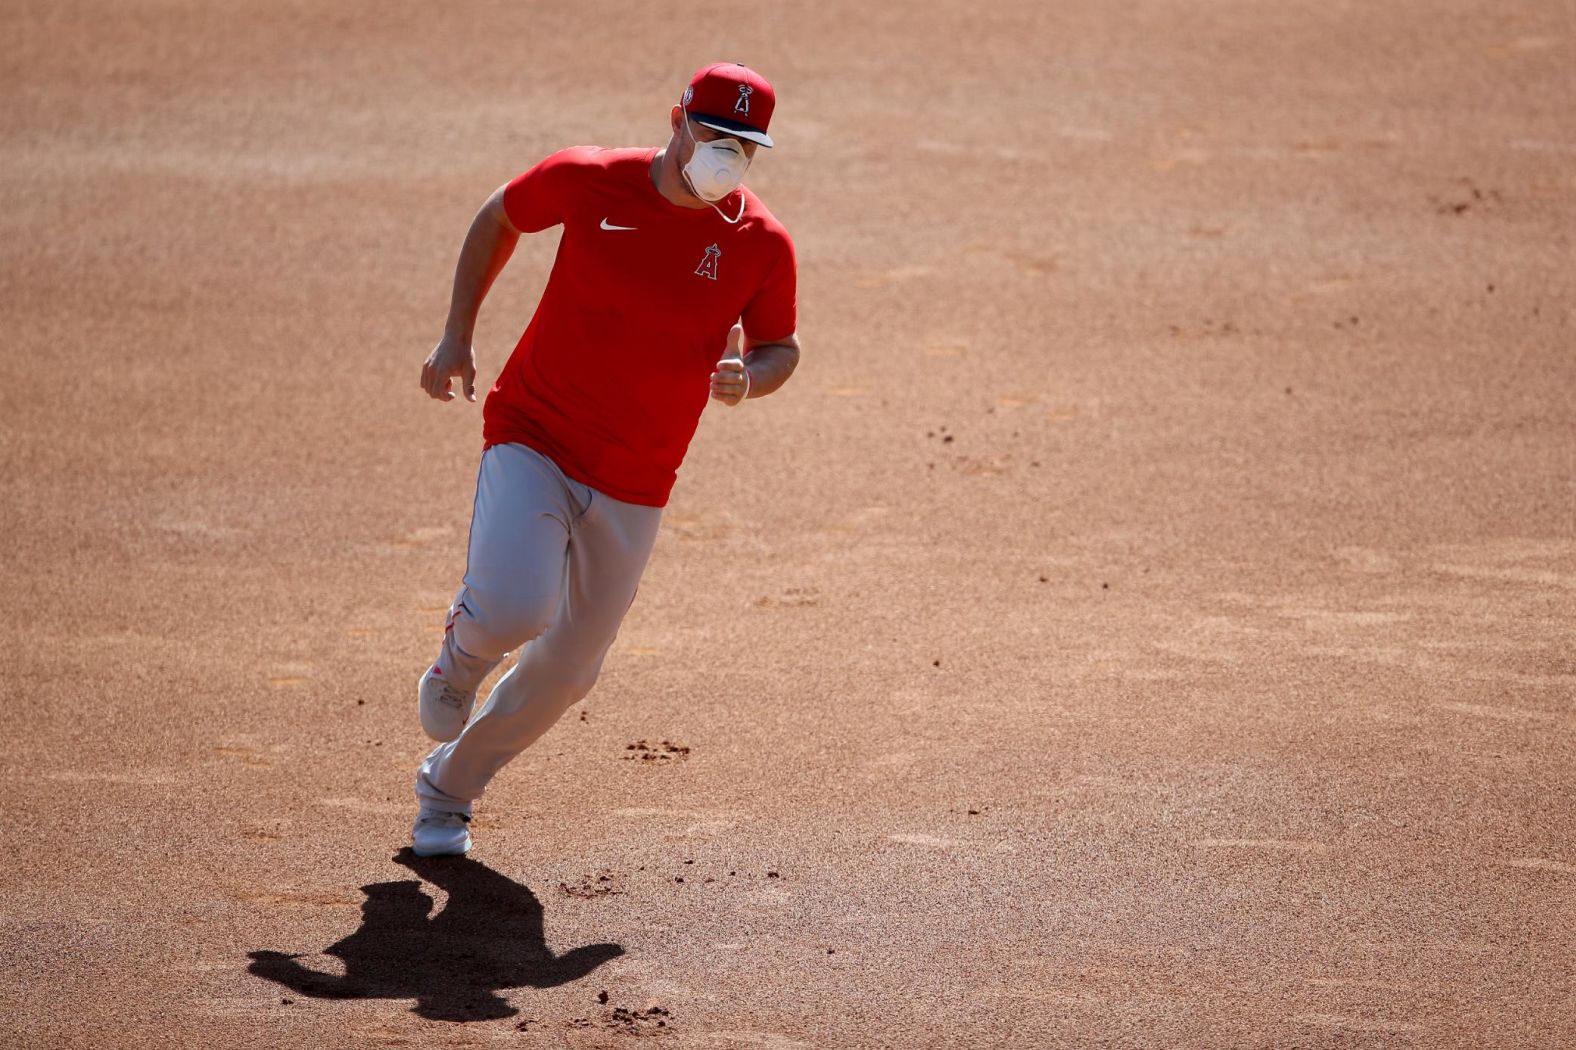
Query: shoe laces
{"points": [[455, 698]]}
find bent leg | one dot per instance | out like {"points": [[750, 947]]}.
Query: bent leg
{"points": [[608, 549], [514, 572]]}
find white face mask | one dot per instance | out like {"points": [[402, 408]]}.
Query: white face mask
{"points": [[716, 168]]}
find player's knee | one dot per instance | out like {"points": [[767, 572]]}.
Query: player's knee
{"points": [[508, 621], [521, 618]]}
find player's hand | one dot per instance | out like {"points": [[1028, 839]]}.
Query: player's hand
{"points": [[450, 358], [730, 383]]}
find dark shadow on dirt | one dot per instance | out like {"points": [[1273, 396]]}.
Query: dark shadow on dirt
{"points": [[487, 938]]}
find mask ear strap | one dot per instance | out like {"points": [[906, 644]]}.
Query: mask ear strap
{"points": [[683, 168], [733, 221]]}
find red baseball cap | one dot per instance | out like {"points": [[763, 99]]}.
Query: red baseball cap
{"points": [[731, 98]]}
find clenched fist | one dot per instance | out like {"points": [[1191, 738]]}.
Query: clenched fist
{"points": [[730, 383], [450, 358]]}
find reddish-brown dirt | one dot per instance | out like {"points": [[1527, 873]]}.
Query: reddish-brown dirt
{"points": [[1144, 621]]}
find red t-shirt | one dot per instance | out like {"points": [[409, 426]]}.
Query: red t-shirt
{"points": [[612, 374]]}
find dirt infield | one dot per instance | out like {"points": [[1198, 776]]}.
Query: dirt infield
{"points": [[1144, 621]]}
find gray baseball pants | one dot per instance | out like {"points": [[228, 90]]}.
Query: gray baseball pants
{"points": [[552, 569]]}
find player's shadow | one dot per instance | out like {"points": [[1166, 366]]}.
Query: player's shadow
{"points": [[487, 938]]}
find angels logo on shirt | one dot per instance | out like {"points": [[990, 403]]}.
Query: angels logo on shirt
{"points": [[708, 263]]}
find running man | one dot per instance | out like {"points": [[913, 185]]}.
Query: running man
{"points": [[672, 283]]}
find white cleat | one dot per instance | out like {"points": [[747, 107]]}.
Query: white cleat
{"points": [[437, 833], [444, 708]]}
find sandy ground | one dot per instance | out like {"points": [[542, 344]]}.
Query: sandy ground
{"points": [[1151, 601]]}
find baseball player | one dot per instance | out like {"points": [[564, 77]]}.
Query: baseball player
{"points": [[672, 283]]}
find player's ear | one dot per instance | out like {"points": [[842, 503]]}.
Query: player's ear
{"points": [[674, 117]]}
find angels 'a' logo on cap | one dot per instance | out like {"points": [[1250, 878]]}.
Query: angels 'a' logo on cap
{"points": [[743, 105]]}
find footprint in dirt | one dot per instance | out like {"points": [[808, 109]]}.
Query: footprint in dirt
{"points": [[488, 937], [662, 751], [790, 598], [604, 883]]}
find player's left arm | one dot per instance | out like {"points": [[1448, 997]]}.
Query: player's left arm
{"points": [[770, 362], [753, 367], [756, 367]]}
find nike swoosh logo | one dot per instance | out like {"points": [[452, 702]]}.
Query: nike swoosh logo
{"points": [[609, 226]]}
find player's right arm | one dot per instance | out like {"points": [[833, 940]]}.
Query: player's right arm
{"points": [[529, 203], [488, 245]]}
